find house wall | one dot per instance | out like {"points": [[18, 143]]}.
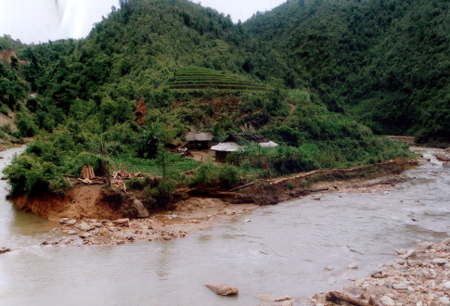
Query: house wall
{"points": [[221, 156], [199, 145]]}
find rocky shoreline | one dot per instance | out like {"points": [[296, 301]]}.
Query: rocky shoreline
{"points": [[120, 231], [418, 277], [161, 227]]}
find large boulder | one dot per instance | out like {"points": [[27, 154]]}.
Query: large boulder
{"points": [[142, 212]]}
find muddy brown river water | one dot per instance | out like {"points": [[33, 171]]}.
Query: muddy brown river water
{"points": [[282, 251]]}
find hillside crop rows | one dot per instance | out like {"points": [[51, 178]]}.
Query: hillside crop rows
{"points": [[199, 78]]}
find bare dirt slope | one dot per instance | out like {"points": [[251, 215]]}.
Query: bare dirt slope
{"points": [[80, 202]]}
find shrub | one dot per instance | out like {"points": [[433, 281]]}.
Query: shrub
{"points": [[147, 142], [28, 174], [4, 109], [205, 175], [229, 176], [26, 125], [138, 183], [86, 158]]}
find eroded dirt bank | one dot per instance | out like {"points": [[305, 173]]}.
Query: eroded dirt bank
{"points": [[80, 202]]}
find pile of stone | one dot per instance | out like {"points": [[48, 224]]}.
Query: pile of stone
{"points": [[94, 232], [418, 277]]}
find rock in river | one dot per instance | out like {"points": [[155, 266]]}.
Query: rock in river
{"points": [[64, 220], [387, 301], [122, 222], [444, 300], [222, 289], [85, 227], [409, 254], [266, 298], [440, 261]]}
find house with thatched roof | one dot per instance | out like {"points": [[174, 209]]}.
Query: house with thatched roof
{"points": [[235, 143], [199, 140]]}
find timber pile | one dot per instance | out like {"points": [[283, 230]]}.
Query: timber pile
{"points": [[125, 175], [94, 181], [87, 172], [337, 297]]}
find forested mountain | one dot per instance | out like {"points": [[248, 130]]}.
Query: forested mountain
{"points": [[385, 62], [299, 75], [12, 86]]}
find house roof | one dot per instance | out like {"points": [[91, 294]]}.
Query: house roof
{"points": [[226, 147], [243, 138], [269, 144], [199, 136], [234, 142]]}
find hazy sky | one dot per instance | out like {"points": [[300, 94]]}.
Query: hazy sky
{"points": [[42, 20]]}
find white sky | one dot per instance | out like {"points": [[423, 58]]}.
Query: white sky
{"points": [[34, 21]]}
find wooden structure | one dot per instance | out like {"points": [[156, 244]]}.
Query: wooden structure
{"points": [[199, 141], [236, 142], [87, 172]]}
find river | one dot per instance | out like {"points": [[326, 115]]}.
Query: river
{"points": [[282, 251]]}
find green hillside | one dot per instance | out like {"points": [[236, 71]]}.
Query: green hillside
{"points": [[384, 62], [156, 69]]}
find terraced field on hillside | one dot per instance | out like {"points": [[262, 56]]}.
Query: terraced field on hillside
{"points": [[200, 78]]}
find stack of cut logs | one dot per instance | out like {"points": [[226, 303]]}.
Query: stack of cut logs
{"points": [[87, 172]]}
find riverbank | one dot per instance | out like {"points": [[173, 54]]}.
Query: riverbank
{"points": [[419, 276], [198, 212], [285, 249]]}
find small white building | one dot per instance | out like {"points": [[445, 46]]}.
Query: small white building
{"points": [[236, 142]]}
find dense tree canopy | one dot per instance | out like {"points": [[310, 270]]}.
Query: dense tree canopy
{"points": [[320, 74]]}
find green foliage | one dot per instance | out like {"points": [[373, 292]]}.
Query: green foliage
{"points": [[209, 175], [202, 78], [4, 109], [299, 75], [341, 153], [147, 143], [151, 167], [386, 62], [290, 186], [138, 183], [31, 175], [205, 175], [229, 176], [26, 125]]}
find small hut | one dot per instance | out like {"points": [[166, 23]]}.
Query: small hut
{"points": [[236, 142], [199, 141]]}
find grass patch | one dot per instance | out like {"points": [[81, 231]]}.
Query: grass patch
{"points": [[150, 167]]}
